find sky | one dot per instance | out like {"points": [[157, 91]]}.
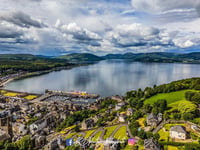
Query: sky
{"points": [[59, 27]]}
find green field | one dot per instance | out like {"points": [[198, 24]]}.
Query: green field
{"points": [[70, 135], [182, 106], [121, 134], [163, 135], [109, 131], [96, 136], [170, 97], [88, 133]]}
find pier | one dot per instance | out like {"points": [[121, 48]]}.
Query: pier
{"points": [[84, 95]]}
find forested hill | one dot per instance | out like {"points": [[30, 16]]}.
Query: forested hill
{"points": [[80, 57], [10, 63], [87, 57], [20, 57], [157, 57], [163, 57]]}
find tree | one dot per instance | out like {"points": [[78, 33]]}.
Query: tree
{"points": [[166, 115], [133, 126], [162, 105], [77, 128], [188, 116], [192, 147], [136, 147], [142, 134], [100, 122], [196, 84], [149, 135], [155, 110], [135, 102], [159, 106], [134, 131], [177, 116], [137, 115], [196, 98], [9, 146], [24, 143], [189, 95], [122, 145], [156, 136], [147, 108]]}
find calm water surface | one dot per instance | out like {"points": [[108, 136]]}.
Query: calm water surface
{"points": [[109, 77]]}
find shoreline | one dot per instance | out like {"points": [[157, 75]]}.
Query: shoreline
{"points": [[37, 73]]}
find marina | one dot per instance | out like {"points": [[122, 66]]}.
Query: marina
{"points": [[75, 94]]}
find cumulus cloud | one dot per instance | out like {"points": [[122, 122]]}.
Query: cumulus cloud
{"points": [[79, 33], [183, 44], [21, 19], [187, 40], [74, 33], [134, 35], [137, 37], [160, 5]]}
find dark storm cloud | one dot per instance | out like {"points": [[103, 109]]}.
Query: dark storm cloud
{"points": [[7, 32], [21, 19]]}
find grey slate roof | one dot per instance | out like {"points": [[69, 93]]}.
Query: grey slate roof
{"points": [[151, 144], [151, 116], [178, 128]]}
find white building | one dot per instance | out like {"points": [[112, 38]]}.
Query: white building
{"points": [[178, 132], [129, 112], [122, 117], [38, 125], [119, 105]]}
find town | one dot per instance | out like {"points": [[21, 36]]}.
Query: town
{"points": [[79, 120], [99, 75]]}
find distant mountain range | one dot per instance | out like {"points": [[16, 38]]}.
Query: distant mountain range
{"points": [[140, 57], [157, 57]]}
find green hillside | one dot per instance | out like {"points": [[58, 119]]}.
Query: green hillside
{"points": [[170, 97], [11, 63]]}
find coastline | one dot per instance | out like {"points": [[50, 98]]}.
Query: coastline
{"points": [[37, 73]]}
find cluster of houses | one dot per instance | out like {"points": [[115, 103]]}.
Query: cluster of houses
{"points": [[19, 118], [176, 132], [10, 76]]}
